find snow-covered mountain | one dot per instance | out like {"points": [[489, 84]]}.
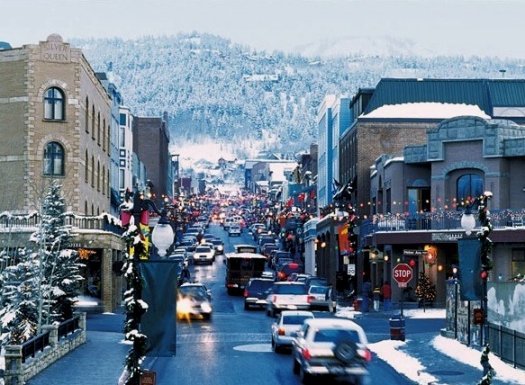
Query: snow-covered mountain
{"points": [[250, 101]]}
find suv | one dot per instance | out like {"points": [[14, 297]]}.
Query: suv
{"points": [[256, 292], [331, 347], [287, 296]]}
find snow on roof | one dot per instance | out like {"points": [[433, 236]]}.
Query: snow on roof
{"points": [[279, 169], [426, 110]]}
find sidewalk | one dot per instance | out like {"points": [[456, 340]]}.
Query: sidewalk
{"points": [[426, 357]]}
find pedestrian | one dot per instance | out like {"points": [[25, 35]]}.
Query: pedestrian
{"points": [[386, 292], [185, 275], [376, 296], [366, 291], [484, 361]]}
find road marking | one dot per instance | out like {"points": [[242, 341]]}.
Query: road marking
{"points": [[254, 348]]}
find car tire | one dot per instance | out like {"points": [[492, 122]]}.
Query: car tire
{"points": [[246, 306], [345, 351], [295, 367], [306, 378]]}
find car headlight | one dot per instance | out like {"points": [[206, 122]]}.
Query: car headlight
{"points": [[206, 307], [184, 306], [220, 248]]}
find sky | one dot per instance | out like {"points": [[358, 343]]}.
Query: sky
{"points": [[468, 27]]}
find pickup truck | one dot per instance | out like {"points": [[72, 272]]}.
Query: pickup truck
{"points": [[287, 296], [331, 347]]}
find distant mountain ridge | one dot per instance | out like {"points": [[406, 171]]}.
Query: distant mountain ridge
{"points": [[252, 101]]}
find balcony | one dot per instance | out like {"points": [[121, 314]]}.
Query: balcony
{"points": [[438, 220], [26, 223]]}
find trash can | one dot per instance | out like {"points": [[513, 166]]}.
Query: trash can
{"points": [[397, 328]]}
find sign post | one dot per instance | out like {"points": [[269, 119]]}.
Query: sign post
{"points": [[402, 274]]}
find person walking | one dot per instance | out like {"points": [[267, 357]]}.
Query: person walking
{"points": [[386, 293], [366, 293]]}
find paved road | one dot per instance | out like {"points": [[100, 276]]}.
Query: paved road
{"points": [[233, 348]]}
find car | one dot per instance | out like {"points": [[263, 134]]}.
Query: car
{"points": [[322, 297], [193, 301], [275, 255], [256, 291], [282, 262], [286, 325], [203, 254], [218, 245], [318, 281], [288, 268], [267, 248], [331, 347], [234, 229], [287, 296]]}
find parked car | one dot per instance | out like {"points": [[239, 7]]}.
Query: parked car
{"points": [[203, 254], [286, 325], [322, 297], [256, 292], [318, 281], [193, 301], [331, 347], [287, 296]]}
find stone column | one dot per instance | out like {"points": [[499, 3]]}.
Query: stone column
{"points": [[53, 334], [13, 374], [107, 280]]}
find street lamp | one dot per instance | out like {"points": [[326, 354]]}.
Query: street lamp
{"points": [[162, 235], [468, 222]]}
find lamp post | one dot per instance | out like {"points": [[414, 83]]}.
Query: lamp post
{"points": [[468, 224], [135, 219]]}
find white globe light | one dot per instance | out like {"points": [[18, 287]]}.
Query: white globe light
{"points": [[468, 222], [162, 237]]}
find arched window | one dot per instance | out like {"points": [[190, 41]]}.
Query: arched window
{"points": [[54, 104], [85, 208], [92, 209], [469, 186], [86, 118], [104, 136], [107, 183], [103, 176], [54, 159]]}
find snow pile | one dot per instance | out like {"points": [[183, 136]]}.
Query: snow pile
{"points": [[426, 110]]}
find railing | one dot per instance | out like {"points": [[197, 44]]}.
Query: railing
{"points": [[68, 326], [507, 344], [28, 222], [34, 345], [438, 220]]}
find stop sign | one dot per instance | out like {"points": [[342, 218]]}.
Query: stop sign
{"points": [[402, 274]]}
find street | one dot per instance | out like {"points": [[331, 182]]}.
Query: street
{"points": [[234, 347]]}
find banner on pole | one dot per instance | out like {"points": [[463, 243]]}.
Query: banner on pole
{"points": [[160, 293], [469, 250]]}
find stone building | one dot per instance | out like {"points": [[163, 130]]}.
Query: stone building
{"points": [[55, 121]]}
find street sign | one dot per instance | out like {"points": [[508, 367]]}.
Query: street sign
{"points": [[402, 274]]}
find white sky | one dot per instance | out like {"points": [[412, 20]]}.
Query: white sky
{"points": [[482, 27]]}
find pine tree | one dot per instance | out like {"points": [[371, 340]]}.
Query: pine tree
{"points": [[19, 315], [59, 277], [425, 291]]}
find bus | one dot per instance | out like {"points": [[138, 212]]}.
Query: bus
{"points": [[242, 265]]}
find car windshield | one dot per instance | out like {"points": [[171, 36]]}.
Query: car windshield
{"points": [[318, 290], [260, 284], [295, 319], [336, 335], [193, 291], [289, 289], [216, 241], [202, 249]]}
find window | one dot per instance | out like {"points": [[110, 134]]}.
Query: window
{"points": [[518, 262], [86, 117], [103, 176], [104, 136], [54, 159], [122, 162], [122, 138], [122, 119], [121, 179], [98, 127], [107, 183], [85, 208], [98, 175], [86, 168], [418, 200], [93, 121], [92, 173], [469, 186], [54, 104]]}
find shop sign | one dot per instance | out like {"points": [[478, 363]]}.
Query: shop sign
{"points": [[446, 237], [414, 253]]}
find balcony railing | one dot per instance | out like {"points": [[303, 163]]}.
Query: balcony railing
{"points": [[29, 222], [438, 220]]}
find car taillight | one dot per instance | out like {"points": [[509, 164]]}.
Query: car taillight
{"points": [[281, 332], [310, 298], [245, 292], [306, 354], [365, 354]]}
